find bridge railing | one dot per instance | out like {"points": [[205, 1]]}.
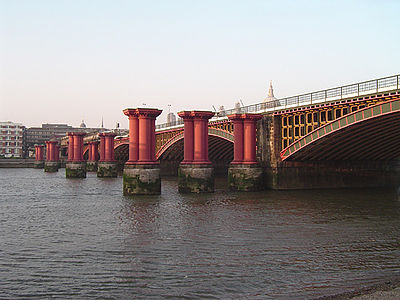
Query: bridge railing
{"points": [[338, 93]]}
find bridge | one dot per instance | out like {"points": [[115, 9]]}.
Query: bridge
{"points": [[343, 136]]}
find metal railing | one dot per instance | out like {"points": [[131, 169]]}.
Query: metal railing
{"points": [[342, 92]]}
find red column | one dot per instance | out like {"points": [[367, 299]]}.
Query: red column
{"points": [[144, 138], [133, 135], [142, 134], [102, 146], [153, 140], [188, 136], [70, 146], [200, 122], [37, 152], [40, 148], [78, 146], [48, 151], [108, 146], [249, 137], [238, 138], [54, 151]]}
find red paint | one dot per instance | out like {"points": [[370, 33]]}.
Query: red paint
{"points": [[70, 146], [188, 136], [238, 139], [39, 152], [75, 146], [244, 137], [107, 145], [196, 136], [51, 148], [142, 138]]}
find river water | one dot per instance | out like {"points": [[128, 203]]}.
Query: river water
{"points": [[81, 238]]}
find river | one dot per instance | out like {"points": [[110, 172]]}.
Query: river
{"points": [[81, 238]]}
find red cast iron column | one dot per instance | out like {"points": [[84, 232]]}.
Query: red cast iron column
{"points": [[200, 122], [78, 146], [70, 146], [238, 138], [48, 151], [188, 136], [41, 150], [102, 147], [133, 135], [109, 146], [147, 119], [249, 126]]}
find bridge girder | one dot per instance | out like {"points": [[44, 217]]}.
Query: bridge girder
{"points": [[368, 134]]}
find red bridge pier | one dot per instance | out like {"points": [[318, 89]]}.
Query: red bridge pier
{"points": [[39, 161], [107, 166], [75, 166], [245, 173], [91, 164], [196, 173], [52, 157], [142, 171]]}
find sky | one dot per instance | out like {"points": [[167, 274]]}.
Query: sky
{"points": [[68, 61]]}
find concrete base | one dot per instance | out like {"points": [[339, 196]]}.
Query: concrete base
{"points": [[141, 179], [51, 166], [334, 174], [242, 177], [107, 169], [75, 169], [91, 166], [38, 164], [196, 178]]}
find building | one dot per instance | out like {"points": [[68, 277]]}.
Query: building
{"points": [[39, 135], [270, 101], [11, 139], [171, 118]]}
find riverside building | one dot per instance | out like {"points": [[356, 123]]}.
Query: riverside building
{"points": [[11, 139]]}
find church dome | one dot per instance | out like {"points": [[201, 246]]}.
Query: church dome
{"points": [[83, 125]]}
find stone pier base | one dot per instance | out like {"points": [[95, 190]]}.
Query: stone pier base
{"points": [[38, 164], [51, 166], [75, 169], [245, 177], [141, 179], [107, 169], [196, 178], [91, 166]]}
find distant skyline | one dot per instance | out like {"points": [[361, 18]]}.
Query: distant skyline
{"points": [[68, 61]]}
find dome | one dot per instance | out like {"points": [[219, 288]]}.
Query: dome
{"points": [[83, 125]]}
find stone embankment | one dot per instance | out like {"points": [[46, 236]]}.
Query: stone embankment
{"points": [[16, 162]]}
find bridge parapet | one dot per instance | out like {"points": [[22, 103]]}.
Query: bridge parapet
{"points": [[360, 89]]}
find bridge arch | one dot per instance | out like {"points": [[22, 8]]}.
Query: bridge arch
{"points": [[220, 144], [371, 133]]}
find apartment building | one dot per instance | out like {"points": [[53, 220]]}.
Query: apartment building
{"points": [[11, 139]]}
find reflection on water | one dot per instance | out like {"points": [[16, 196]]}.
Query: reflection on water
{"points": [[81, 238]]}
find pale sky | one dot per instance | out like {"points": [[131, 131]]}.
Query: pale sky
{"points": [[64, 61]]}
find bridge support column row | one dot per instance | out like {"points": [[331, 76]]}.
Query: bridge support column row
{"points": [[52, 157], [245, 173], [91, 164], [196, 173], [39, 161], [142, 171], [107, 166], [76, 166]]}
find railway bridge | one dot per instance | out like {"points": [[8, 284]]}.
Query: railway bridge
{"points": [[346, 136]]}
